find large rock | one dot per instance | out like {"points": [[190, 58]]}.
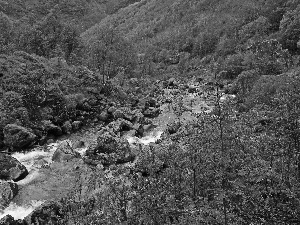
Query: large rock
{"points": [[67, 127], [48, 213], [9, 220], [151, 112], [124, 113], [174, 126], [51, 128], [11, 168], [64, 152], [104, 116], [120, 125], [76, 125], [110, 149], [18, 137], [8, 191]]}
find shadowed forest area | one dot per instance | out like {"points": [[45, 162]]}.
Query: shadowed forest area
{"points": [[126, 65]]}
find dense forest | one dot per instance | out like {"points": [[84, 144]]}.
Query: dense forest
{"points": [[69, 62]]}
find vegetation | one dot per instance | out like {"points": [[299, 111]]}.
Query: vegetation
{"points": [[239, 164]]}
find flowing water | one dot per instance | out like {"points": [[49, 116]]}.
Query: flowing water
{"points": [[44, 154]]}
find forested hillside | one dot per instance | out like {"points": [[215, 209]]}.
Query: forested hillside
{"points": [[218, 80]]}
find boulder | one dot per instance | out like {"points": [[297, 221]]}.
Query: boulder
{"points": [[139, 129], [11, 168], [41, 163], [151, 112], [120, 125], [192, 89], [76, 125], [9, 220], [18, 137], [8, 190], [50, 128], [64, 152], [47, 213], [123, 113], [118, 114], [78, 144], [67, 127], [173, 127], [138, 117], [151, 102], [111, 109], [104, 116], [110, 149]]}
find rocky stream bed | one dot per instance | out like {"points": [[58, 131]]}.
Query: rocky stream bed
{"points": [[48, 173]]}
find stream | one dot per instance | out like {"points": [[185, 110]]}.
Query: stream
{"points": [[43, 155]]}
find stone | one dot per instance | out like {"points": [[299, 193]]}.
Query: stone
{"points": [[111, 109], [192, 89], [173, 127], [151, 112], [40, 163], [64, 152], [138, 117], [8, 190], [11, 168], [47, 213], [51, 128], [139, 129], [78, 144], [120, 125], [104, 116], [8, 220], [67, 127], [18, 137], [110, 149], [118, 114], [76, 125]]}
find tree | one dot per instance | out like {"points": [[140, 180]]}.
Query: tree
{"points": [[110, 52]]}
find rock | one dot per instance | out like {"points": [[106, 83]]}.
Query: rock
{"points": [[138, 117], [76, 125], [51, 128], [173, 127], [134, 81], [151, 102], [104, 116], [171, 82], [192, 89], [110, 149], [147, 127], [111, 109], [40, 163], [199, 79], [151, 112], [8, 191], [18, 137], [50, 141], [139, 129], [123, 113], [9, 220], [118, 114], [120, 125], [11, 168], [64, 152], [67, 127], [78, 144], [86, 106], [47, 213]]}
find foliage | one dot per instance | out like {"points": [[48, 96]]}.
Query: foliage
{"points": [[110, 53]]}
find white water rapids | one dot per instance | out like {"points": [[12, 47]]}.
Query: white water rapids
{"points": [[31, 161]]}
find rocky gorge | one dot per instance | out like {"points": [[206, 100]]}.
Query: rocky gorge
{"points": [[40, 177]]}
